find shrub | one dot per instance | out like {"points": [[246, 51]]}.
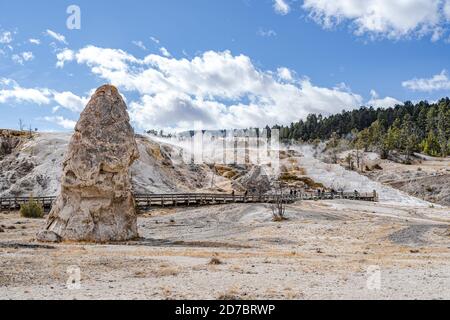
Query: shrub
{"points": [[32, 209], [215, 261], [279, 210]]}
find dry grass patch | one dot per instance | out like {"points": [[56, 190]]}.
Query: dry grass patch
{"points": [[215, 261], [140, 274], [230, 294], [167, 272], [236, 268]]}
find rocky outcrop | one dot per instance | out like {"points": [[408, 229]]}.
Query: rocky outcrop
{"points": [[9, 140], [256, 181], [96, 203]]}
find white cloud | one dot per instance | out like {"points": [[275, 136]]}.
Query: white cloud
{"points": [[57, 36], [382, 18], [281, 7], [27, 56], [10, 91], [378, 102], [447, 10], [34, 41], [216, 88], [63, 57], [6, 37], [139, 44], [267, 33], [17, 59], [285, 74], [104, 61], [437, 82], [70, 101], [165, 52], [172, 109], [62, 122], [155, 40]]}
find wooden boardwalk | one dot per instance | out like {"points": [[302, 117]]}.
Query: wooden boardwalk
{"points": [[149, 201]]}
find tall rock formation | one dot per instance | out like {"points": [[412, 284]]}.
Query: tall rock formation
{"points": [[96, 203]]}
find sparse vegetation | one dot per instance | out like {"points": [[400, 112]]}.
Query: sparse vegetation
{"points": [[230, 294], [32, 209], [215, 261], [165, 270], [279, 207]]}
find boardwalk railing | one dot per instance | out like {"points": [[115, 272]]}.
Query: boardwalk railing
{"points": [[147, 201], [14, 203], [188, 199]]}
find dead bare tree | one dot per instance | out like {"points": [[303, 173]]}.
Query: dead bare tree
{"points": [[30, 132], [279, 206]]}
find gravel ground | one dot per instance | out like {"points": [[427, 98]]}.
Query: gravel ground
{"points": [[325, 250]]}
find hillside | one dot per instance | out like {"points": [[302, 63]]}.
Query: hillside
{"points": [[427, 178], [33, 167]]}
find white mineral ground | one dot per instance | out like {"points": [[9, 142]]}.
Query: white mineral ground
{"points": [[323, 251]]}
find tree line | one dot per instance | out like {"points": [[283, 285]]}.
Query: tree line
{"points": [[408, 128]]}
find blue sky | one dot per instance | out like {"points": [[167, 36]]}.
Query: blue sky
{"points": [[219, 64]]}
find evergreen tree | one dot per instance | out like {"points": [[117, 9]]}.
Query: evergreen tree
{"points": [[392, 140], [443, 128], [430, 145], [377, 135], [364, 139], [332, 145], [408, 137]]}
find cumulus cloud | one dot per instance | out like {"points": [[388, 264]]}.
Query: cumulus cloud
{"points": [[378, 102], [447, 10], [173, 110], [70, 101], [382, 18], [285, 74], [12, 92], [267, 33], [23, 57], [437, 82], [34, 41], [62, 122], [6, 37], [217, 89], [155, 40], [139, 44], [57, 36], [165, 52], [27, 56], [281, 7], [63, 57]]}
